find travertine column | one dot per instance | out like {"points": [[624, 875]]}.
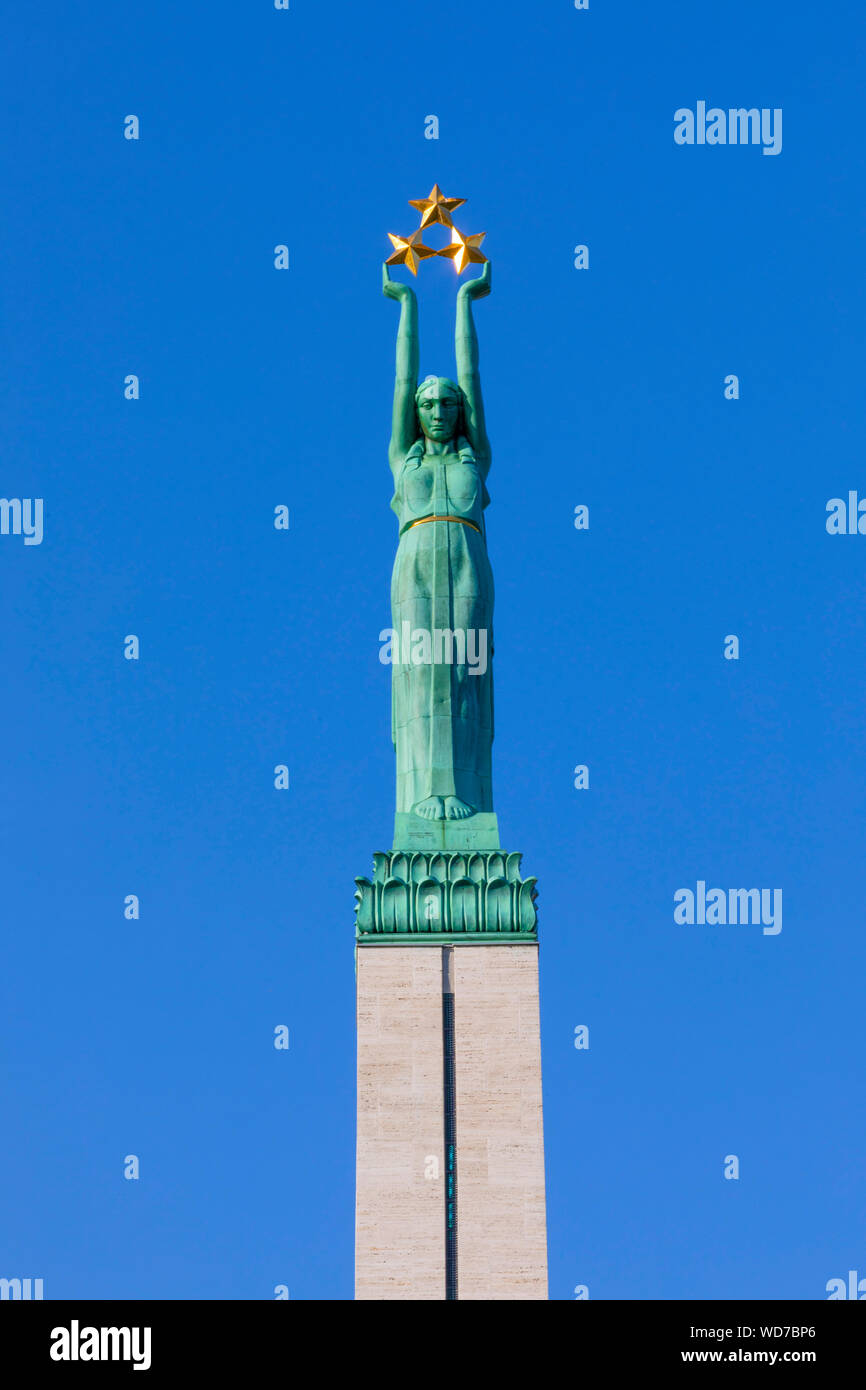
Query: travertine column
{"points": [[399, 1213], [400, 1205], [501, 1222]]}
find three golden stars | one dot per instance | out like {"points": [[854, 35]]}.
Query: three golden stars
{"points": [[463, 250]]}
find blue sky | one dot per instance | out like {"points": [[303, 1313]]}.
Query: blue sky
{"points": [[260, 387]]}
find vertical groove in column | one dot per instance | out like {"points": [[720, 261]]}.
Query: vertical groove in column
{"points": [[450, 1107]]}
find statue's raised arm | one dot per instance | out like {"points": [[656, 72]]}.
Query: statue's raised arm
{"points": [[468, 375], [404, 426]]}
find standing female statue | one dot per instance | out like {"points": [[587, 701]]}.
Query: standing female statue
{"points": [[442, 708]]}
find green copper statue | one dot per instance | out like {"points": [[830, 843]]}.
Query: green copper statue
{"points": [[447, 878], [442, 583]]}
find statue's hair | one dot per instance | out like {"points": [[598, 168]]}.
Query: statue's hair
{"points": [[439, 381]]}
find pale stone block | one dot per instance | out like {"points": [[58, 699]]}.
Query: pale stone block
{"points": [[400, 1214], [501, 1221]]}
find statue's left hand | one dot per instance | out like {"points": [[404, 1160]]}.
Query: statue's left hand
{"points": [[477, 289], [395, 289]]}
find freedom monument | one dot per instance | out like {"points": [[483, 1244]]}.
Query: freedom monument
{"points": [[450, 1199]]}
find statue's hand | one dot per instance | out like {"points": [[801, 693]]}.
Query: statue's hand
{"points": [[477, 289], [395, 289]]}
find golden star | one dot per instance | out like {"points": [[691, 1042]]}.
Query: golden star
{"points": [[409, 250], [436, 208], [464, 250]]}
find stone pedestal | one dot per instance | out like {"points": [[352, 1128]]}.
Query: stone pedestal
{"points": [[450, 1156]]}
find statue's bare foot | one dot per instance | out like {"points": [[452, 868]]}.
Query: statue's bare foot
{"points": [[455, 809], [431, 808]]}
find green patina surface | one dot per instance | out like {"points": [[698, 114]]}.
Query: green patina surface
{"points": [[447, 877], [442, 583], [444, 896]]}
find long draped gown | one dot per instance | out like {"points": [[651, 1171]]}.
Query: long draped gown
{"points": [[442, 714]]}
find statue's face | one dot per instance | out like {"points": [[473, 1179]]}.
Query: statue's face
{"points": [[439, 411]]}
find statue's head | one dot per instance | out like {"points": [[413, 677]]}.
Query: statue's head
{"points": [[439, 403]]}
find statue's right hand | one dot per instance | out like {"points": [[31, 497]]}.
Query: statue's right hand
{"points": [[395, 289]]}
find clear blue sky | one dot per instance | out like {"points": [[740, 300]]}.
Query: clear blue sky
{"points": [[261, 387]]}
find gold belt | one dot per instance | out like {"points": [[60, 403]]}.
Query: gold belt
{"points": [[462, 519]]}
